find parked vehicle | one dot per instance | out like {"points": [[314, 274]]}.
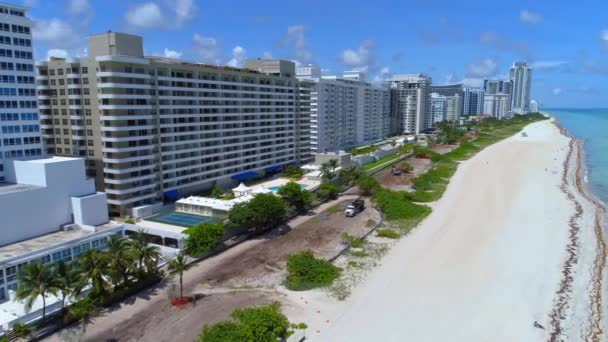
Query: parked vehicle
{"points": [[395, 171], [355, 207]]}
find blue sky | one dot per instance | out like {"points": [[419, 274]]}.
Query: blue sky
{"points": [[452, 41]]}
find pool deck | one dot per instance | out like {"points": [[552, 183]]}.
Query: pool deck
{"points": [[161, 226]]}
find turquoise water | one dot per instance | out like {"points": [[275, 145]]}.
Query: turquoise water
{"points": [[590, 125], [277, 188], [180, 219]]}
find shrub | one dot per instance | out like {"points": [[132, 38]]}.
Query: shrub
{"points": [[293, 171], [358, 254], [264, 211], [263, 323], [305, 272], [387, 233], [328, 191], [395, 206], [203, 237], [21, 330], [352, 240]]}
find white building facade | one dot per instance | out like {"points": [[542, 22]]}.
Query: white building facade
{"points": [[497, 98], [410, 102], [520, 76], [345, 111], [439, 107], [156, 128], [534, 107], [19, 119]]}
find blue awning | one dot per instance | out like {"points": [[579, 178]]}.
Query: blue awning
{"points": [[245, 176], [172, 195], [273, 168], [293, 162]]}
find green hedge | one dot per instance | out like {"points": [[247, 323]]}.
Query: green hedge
{"points": [[305, 272]]}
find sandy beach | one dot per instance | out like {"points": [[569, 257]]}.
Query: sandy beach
{"points": [[514, 240]]}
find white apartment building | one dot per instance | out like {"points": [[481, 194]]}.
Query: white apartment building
{"points": [[534, 107], [472, 101], [156, 129], [19, 119], [497, 98], [439, 107], [50, 211], [345, 111], [520, 75], [410, 101]]}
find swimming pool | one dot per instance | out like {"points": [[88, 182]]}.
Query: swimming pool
{"points": [[277, 188], [181, 219]]}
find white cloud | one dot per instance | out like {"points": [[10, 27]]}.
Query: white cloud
{"points": [[472, 82], [60, 53], [362, 59], [530, 17], [146, 15], [184, 11], [207, 48], [383, 75], [239, 54], [547, 64], [482, 68], [267, 55], [557, 91], [172, 53], [55, 33], [296, 44], [604, 39], [79, 6]]}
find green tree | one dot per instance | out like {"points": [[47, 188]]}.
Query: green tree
{"points": [[36, 280], [179, 265], [68, 280], [328, 191], [147, 256], [203, 237], [95, 266], [367, 184], [216, 192], [264, 211], [83, 311], [293, 194], [293, 171], [122, 260], [328, 170]]}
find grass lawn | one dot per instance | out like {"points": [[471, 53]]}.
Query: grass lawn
{"points": [[381, 161]]}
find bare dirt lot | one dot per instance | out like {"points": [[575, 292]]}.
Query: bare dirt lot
{"points": [[443, 149], [404, 181], [242, 276]]}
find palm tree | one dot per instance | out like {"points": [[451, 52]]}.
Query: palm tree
{"points": [[121, 259], [95, 266], [69, 281], [145, 254], [179, 265], [36, 280], [333, 163], [83, 311]]}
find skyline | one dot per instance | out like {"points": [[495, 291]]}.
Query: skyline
{"points": [[413, 37]]}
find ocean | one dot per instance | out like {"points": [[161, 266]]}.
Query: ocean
{"points": [[591, 126]]}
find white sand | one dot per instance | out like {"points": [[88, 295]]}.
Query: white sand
{"points": [[483, 266]]}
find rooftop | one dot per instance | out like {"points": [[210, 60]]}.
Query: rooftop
{"points": [[49, 240], [51, 160], [9, 188]]}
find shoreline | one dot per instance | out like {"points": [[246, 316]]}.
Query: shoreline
{"points": [[596, 299], [500, 292]]}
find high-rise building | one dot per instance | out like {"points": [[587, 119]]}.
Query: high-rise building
{"points": [[534, 107], [19, 118], [497, 98], [346, 111], [156, 128], [472, 101], [410, 101], [520, 76], [439, 107]]}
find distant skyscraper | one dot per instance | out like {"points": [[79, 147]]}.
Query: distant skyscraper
{"points": [[472, 101], [534, 107], [455, 95], [410, 101], [497, 98], [19, 120], [521, 77], [439, 107]]}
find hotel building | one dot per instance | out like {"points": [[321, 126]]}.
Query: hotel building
{"points": [[155, 128], [410, 103], [520, 75], [346, 111], [19, 119]]}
